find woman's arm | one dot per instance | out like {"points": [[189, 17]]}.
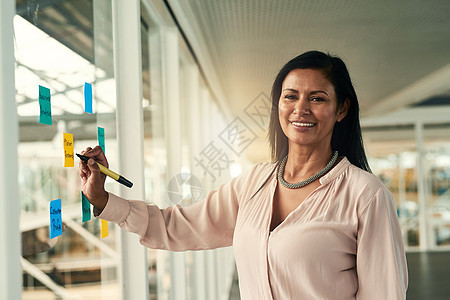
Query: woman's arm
{"points": [[204, 225], [381, 261]]}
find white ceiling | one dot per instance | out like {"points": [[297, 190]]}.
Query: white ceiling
{"points": [[398, 52], [389, 46]]}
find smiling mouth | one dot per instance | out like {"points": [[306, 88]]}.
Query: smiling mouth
{"points": [[301, 124]]}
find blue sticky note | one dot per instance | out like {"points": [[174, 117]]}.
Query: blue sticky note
{"points": [[88, 97], [101, 137], [55, 218], [45, 115], [86, 208]]}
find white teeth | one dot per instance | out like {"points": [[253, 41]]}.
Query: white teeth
{"points": [[303, 124]]}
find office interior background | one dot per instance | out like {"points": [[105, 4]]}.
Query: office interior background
{"points": [[182, 89]]}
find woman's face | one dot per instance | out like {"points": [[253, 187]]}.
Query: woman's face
{"points": [[308, 108]]}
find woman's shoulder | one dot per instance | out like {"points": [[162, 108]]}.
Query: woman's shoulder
{"points": [[264, 167], [259, 170], [360, 176], [254, 176], [362, 182], [364, 187]]}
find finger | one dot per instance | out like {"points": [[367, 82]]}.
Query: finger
{"points": [[97, 151], [82, 166], [94, 171], [96, 178], [82, 170], [86, 150], [98, 155], [89, 152], [92, 165]]}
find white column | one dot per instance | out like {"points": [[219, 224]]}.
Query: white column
{"points": [[158, 143], [402, 196], [225, 272], [211, 257], [10, 235], [171, 98], [423, 234], [229, 272], [128, 72], [192, 82], [170, 62], [207, 137], [200, 276], [192, 79], [220, 271]]}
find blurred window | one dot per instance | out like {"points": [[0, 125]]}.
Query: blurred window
{"points": [[61, 45]]}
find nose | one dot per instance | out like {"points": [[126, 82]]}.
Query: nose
{"points": [[302, 107]]}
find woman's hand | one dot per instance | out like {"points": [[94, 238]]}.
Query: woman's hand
{"points": [[92, 180]]}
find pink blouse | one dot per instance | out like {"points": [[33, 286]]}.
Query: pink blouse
{"points": [[342, 242]]}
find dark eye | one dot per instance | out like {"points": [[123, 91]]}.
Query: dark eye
{"points": [[290, 97], [317, 99]]}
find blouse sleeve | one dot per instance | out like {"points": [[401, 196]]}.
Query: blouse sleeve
{"points": [[381, 261], [204, 225]]}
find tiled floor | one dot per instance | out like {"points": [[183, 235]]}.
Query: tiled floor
{"points": [[429, 277]]}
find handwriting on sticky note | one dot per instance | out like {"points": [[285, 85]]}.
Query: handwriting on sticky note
{"points": [[68, 150], [55, 218], [88, 97], [105, 229], [101, 137], [45, 114], [86, 208]]}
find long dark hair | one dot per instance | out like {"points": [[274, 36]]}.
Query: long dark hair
{"points": [[346, 138]]}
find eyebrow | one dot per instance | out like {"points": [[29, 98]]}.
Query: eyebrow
{"points": [[312, 92], [319, 91], [290, 90]]}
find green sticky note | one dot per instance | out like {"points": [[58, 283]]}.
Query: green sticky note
{"points": [[86, 208], [45, 115], [101, 137]]}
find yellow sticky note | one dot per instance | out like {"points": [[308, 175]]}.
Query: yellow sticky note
{"points": [[105, 230], [68, 149]]}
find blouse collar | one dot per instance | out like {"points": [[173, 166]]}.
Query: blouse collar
{"points": [[335, 172]]}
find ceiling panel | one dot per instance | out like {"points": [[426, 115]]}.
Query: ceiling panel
{"points": [[387, 45]]}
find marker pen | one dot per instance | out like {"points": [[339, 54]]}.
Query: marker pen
{"points": [[108, 172]]}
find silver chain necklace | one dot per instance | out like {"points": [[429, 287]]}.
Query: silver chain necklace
{"points": [[310, 179]]}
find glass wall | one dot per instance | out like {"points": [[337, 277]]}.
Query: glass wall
{"points": [[64, 51], [437, 184], [64, 47], [413, 162], [180, 119], [393, 158], [177, 122]]}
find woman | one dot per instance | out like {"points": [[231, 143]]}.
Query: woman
{"points": [[313, 224]]}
